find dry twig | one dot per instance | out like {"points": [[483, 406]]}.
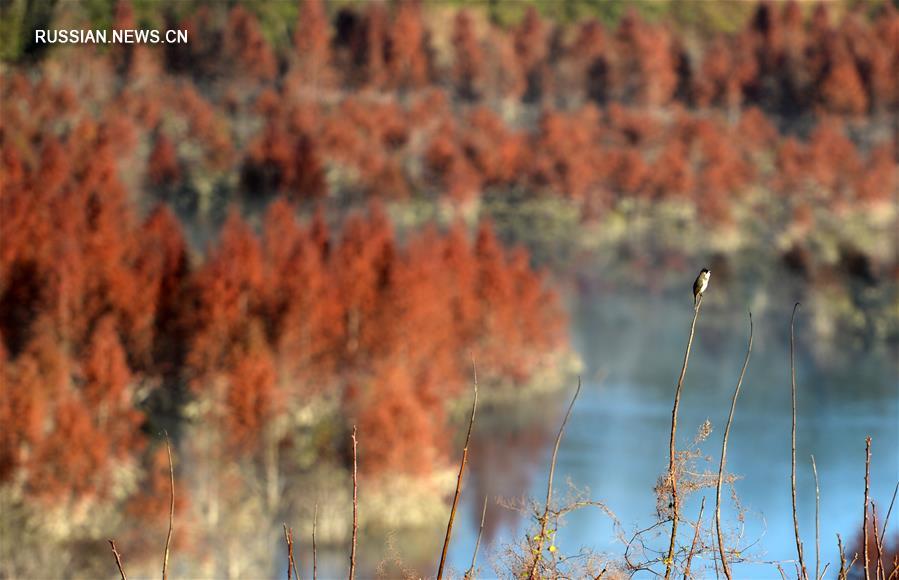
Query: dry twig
{"points": [[878, 566], [843, 573], [474, 557], [886, 521], [452, 517], [544, 519], [780, 569], [314, 554], [291, 563], [168, 538], [118, 559], [696, 531]]}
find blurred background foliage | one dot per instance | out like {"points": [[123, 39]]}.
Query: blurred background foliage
{"points": [[21, 17], [312, 212]]}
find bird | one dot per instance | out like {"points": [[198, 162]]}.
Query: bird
{"points": [[699, 286]]}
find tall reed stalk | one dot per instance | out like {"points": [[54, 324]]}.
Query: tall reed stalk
{"points": [[355, 507], [730, 419], [464, 461], [818, 573], [867, 500], [168, 538], [672, 450], [544, 519], [314, 547], [696, 531], [474, 556], [803, 571]]}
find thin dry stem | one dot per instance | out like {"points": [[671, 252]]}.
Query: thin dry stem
{"points": [[168, 538], [549, 486], [844, 571], [878, 567], [817, 522], [463, 463], [289, 551], [843, 574], [474, 557], [802, 568], [118, 559], [865, 519], [672, 450], [291, 562], [696, 531], [355, 509], [730, 419], [886, 520], [780, 569], [314, 550]]}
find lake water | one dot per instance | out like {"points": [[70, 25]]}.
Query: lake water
{"points": [[616, 443]]}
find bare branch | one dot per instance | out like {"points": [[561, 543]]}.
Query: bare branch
{"points": [[730, 419], [452, 517]]}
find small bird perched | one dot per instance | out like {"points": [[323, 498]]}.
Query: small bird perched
{"points": [[699, 286]]}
